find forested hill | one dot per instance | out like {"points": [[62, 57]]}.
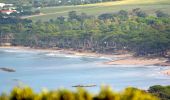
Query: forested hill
{"points": [[101, 27], [134, 31], [149, 6], [47, 3]]}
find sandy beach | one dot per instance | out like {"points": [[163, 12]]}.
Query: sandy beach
{"points": [[65, 51], [166, 72], [121, 59], [130, 60]]}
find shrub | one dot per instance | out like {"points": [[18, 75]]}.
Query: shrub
{"points": [[161, 14], [105, 94], [162, 92]]}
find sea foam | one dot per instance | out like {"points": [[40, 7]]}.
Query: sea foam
{"points": [[62, 55]]}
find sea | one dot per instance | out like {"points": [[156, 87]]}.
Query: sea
{"points": [[40, 70]]}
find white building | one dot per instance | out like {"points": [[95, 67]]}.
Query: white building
{"points": [[2, 5], [7, 8], [9, 5]]}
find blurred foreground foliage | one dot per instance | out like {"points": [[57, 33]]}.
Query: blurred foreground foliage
{"points": [[162, 92], [105, 93]]}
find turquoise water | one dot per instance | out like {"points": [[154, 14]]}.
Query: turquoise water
{"points": [[40, 69]]}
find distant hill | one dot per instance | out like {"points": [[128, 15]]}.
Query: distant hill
{"points": [[16, 1], [149, 6]]}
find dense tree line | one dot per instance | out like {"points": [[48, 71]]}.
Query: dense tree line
{"points": [[47, 3], [133, 31], [16, 2]]}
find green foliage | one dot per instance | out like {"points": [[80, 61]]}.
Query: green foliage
{"points": [[105, 94], [138, 12], [161, 14], [162, 92], [143, 35], [47, 3], [22, 94], [105, 16], [135, 94]]}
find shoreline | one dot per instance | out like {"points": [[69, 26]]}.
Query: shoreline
{"points": [[64, 51], [131, 60], [121, 59], [166, 72]]}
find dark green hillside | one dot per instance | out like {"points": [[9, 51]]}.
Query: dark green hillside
{"points": [[134, 31]]}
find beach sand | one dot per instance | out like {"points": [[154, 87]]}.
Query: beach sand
{"points": [[122, 59], [64, 51], [166, 72], [138, 61]]}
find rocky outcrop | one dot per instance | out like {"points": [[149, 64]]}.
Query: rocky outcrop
{"points": [[7, 69]]}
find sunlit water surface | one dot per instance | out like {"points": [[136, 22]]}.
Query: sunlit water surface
{"points": [[39, 70]]}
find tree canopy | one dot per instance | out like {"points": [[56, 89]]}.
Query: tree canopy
{"points": [[141, 34]]}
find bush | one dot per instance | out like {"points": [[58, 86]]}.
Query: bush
{"points": [[161, 91], [161, 14], [105, 94]]}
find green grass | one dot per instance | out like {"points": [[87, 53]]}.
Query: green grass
{"points": [[150, 6]]}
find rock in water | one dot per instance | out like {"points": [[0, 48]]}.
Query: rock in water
{"points": [[7, 69], [89, 85]]}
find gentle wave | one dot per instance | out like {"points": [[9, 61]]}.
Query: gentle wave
{"points": [[52, 54], [75, 56], [126, 66], [107, 58], [62, 55], [17, 51], [23, 50]]}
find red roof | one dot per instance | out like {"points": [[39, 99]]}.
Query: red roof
{"points": [[4, 11]]}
